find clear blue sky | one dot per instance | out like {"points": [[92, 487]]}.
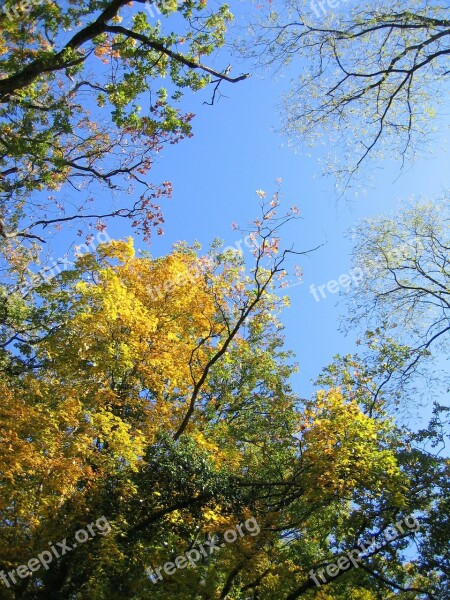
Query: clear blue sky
{"points": [[235, 151]]}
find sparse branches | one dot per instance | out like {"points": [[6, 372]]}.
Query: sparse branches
{"points": [[406, 259], [370, 77], [251, 299]]}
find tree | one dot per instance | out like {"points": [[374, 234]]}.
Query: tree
{"points": [[123, 352], [369, 384], [82, 104], [371, 75], [403, 297], [156, 395]]}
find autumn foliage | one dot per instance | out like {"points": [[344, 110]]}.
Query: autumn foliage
{"points": [[155, 392]]}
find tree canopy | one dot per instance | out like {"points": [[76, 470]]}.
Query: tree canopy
{"points": [[403, 298], [371, 76], [88, 97], [152, 442], [155, 392]]}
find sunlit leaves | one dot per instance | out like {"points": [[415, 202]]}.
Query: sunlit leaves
{"points": [[84, 103]]}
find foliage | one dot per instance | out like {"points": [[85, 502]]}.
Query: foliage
{"points": [[156, 393], [88, 97], [403, 297], [371, 75]]}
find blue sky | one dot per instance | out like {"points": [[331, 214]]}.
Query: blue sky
{"points": [[236, 150]]}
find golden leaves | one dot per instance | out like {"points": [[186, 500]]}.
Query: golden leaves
{"points": [[346, 449]]}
